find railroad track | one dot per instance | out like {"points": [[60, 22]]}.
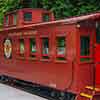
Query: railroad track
{"points": [[29, 87]]}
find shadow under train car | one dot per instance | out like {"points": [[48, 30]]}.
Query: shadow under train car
{"points": [[10, 93]]}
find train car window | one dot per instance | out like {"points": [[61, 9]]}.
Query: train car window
{"points": [[14, 19], [22, 47], [85, 47], [98, 32], [28, 16], [46, 17], [61, 47], [7, 20], [45, 48], [32, 47]]}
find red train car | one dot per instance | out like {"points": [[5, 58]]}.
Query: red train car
{"points": [[60, 54]]}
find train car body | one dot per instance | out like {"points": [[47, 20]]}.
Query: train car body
{"points": [[63, 54]]}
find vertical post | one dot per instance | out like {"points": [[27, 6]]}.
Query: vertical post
{"points": [[27, 49]]}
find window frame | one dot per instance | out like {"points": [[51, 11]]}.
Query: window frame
{"points": [[34, 53], [14, 22], [97, 32], [20, 55], [64, 56], [44, 15], [7, 22], [41, 49], [27, 21], [87, 58]]}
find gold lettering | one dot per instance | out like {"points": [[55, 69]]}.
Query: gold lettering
{"points": [[23, 33]]}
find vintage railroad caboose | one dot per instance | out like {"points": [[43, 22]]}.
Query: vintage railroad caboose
{"points": [[61, 55]]}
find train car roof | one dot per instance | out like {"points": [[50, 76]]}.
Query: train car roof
{"points": [[36, 9], [71, 20]]}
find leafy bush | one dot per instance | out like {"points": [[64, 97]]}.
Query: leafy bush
{"points": [[61, 8]]}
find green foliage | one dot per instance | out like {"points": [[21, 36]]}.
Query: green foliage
{"points": [[67, 8], [6, 5], [61, 8]]}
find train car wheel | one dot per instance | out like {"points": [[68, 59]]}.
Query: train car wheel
{"points": [[53, 94], [2, 78]]}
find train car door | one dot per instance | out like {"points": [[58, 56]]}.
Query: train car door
{"points": [[97, 54]]}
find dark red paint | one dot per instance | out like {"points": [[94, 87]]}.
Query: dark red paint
{"points": [[68, 75]]}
